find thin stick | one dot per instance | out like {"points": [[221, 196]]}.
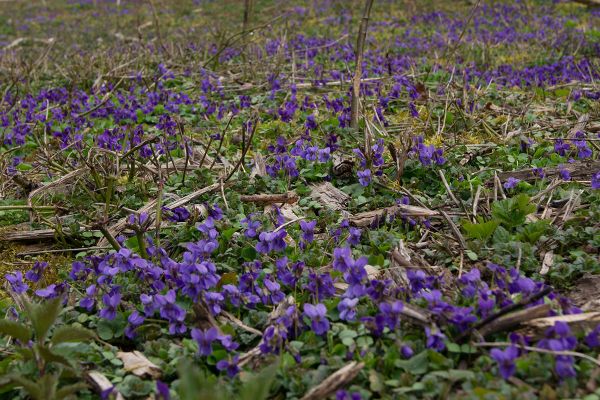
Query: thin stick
{"points": [[280, 227], [223, 195], [246, 147], [539, 350]]}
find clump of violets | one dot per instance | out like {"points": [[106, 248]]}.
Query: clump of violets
{"points": [[35, 273], [559, 338], [371, 165], [427, 154], [271, 241], [583, 150]]}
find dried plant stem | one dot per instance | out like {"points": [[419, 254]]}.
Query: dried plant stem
{"points": [[360, 47]]}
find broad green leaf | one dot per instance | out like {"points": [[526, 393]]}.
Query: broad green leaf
{"points": [[43, 315], [376, 381], [33, 389], [71, 334], [50, 357], [15, 329], [248, 253], [532, 232], [512, 212], [416, 365], [454, 374], [68, 390], [48, 385], [104, 330], [259, 385], [482, 230]]}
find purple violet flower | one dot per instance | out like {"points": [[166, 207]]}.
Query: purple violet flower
{"points": [[16, 282], [230, 366], [318, 318], [506, 360], [364, 177], [511, 183], [205, 340]]}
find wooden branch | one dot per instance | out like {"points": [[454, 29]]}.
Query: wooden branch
{"points": [[264, 198], [579, 170], [369, 217], [39, 234], [515, 319], [503, 311], [333, 382]]}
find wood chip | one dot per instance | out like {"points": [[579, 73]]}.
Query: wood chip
{"points": [[260, 167], [137, 363], [287, 210], [100, 383], [329, 196], [547, 262], [586, 292], [582, 121]]}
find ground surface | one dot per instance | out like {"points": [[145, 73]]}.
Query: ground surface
{"points": [[187, 212]]}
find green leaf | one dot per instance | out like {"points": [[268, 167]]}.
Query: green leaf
{"points": [[482, 230], [25, 352], [257, 386], [108, 329], [51, 357], [512, 212], [71, 334], [249, 253], [68, 390], [454, 374], [132, 386], [532, 232], [48, 385], [416, 365], [15, 329], [104, 330], [43, 315], [472, 255], [32, 388], [376, 381], [453, 347], [501, 235]]}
